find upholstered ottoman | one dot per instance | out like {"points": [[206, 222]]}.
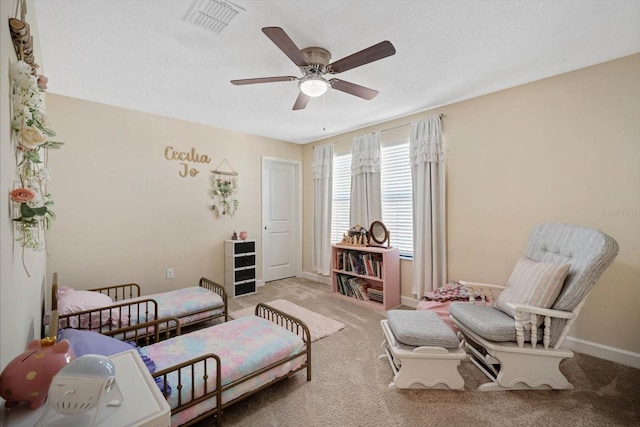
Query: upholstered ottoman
{"points": [[422, 350]]}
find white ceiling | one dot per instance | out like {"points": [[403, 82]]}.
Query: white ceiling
{"points": [[141, 55]]}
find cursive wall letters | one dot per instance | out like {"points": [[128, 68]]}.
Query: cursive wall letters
{"points": [[186, 158]]}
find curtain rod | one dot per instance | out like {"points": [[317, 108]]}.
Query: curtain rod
{"points": [[441, 116]]}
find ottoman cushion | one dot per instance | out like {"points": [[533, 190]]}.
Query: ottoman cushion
{"points": [[441, 309], [421, 328]]}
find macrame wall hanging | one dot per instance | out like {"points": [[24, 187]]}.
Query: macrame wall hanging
{"points": [[224, 180]]}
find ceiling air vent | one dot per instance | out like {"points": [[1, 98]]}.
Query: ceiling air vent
{"points": [[212, 15]]}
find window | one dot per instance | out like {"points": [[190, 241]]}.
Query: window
{"points": [[396, 194], [397, 208], [341, 196]]}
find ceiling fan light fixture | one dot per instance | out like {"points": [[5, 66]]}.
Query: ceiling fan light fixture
{"points": [[313, 86]]}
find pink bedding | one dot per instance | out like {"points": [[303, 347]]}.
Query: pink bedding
{"points": [[189, 304], [180, 303], [244, 345]]}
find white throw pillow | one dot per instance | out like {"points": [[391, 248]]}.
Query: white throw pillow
{"points": [[532, 283]]}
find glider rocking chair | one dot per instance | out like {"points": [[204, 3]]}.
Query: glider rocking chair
{"points": [[516, 339]]}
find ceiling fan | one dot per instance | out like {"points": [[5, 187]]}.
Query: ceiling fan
{"points": [[314, 64]]}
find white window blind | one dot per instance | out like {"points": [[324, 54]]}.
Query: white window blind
{"points": [[396, 196], [341, 196]]}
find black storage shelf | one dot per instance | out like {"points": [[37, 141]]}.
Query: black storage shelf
{"points": [[245, 261], [240, 267]]}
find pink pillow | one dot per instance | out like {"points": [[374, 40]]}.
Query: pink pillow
{"points": [[72, 301]]}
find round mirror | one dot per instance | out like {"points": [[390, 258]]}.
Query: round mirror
{"points": [[378, 234]]}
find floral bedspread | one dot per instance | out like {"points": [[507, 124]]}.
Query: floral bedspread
{"points": [[243, 345]]}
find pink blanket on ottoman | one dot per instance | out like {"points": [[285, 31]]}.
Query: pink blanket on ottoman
{"points": [[440, 299]]}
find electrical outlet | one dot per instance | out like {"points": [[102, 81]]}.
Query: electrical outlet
{"points": [[170, 273]]}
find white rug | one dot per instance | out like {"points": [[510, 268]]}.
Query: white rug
{"points": [[319, 326]]}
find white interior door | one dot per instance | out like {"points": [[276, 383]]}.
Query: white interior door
{"points": [[281, 212]]}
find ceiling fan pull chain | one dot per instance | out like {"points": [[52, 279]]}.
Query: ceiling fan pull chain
{"points": [[324, 98]]}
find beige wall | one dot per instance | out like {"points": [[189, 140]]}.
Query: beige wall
{"points": [[124, 212], [20, 318], [563, 149]]}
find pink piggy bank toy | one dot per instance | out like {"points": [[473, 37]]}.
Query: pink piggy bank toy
{"points": [[28, 376]]}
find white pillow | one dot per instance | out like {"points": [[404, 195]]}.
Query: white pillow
{"points": [[72, 301], [532, 283]]}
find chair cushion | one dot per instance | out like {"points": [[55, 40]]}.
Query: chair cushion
{"points": [[421, 328], [532, 283], [486, 321]]}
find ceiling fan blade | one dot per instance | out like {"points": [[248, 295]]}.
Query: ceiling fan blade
{"points": [[264, 80], [353, 89], [301, 102], [284, 42], [365, 56]]}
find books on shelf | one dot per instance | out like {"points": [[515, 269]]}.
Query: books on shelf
{"points": [[362, 263], [375, 294], [355, 287], [368, 276]]}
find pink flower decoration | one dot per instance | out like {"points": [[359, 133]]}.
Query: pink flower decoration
{"points": [[42, 81], [22, 195]]}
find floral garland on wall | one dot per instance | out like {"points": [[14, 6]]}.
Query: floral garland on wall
{"points": [[32, 202]]}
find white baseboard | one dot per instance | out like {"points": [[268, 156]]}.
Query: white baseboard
{"points": [[259, 283], [602, 351], [409, 301]]}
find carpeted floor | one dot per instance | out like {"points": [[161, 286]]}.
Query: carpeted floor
{"points": [[319, 326], [349, 383]]}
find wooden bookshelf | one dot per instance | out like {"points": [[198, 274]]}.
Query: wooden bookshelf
{"points": [[366, 275]]}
